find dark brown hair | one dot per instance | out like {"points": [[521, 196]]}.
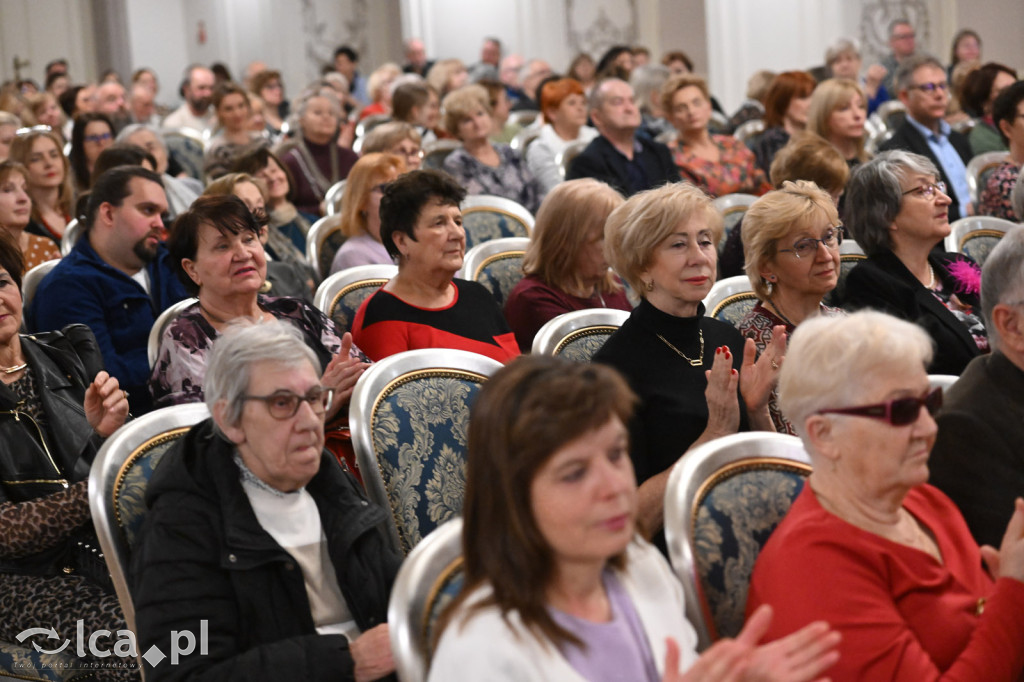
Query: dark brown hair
{"points": [[11, 258], [523, 414]]}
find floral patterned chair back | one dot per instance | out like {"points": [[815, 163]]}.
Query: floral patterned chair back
{"points": [[730, 300], [117, 485], [722, 503], [976, 236], [579, 334], [497, 264], [979, 168], [408, 415], [486, 217], [323, 241], [430, 579], [340, 295]]}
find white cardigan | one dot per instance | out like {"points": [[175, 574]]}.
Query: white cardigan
{"points": [[487, 647]]}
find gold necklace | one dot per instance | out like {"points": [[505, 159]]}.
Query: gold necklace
{"points": [[13, 370], [694, 363]]}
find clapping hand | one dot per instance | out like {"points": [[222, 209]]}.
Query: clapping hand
{"points": [[106, 405]]}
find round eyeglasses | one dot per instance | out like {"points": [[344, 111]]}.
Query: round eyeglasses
{"points": [[808, 246], [285, 404]]}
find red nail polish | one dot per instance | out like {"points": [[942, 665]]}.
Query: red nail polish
{"points": [[734, 372]]}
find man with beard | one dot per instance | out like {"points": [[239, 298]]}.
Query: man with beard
{"points": [[198, 93], [117, 279], [110, 101]]}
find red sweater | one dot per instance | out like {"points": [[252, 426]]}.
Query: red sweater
{"points": [[902, 614]]}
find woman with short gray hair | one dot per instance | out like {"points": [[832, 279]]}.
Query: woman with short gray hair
{"points": [[257, 533], [898, 211]]}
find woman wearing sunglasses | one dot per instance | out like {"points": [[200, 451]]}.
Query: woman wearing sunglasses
{"points": [[898, 211], [868, 546], [791, 238]]}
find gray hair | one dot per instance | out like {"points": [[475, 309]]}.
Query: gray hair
{"points": [[839, 48], [834, 361], [241, 345], [904, 77], [898, 21], [646, 80], [133, 128], [597, 95], [1017, 198], [874, 196], [1002, 278]]}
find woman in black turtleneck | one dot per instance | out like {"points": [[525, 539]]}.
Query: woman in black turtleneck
{"points": [[317, 162]]}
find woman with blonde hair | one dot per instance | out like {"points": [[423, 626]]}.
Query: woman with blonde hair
{"points": [[837, 113], [447, 75], [398, 138], [791, 237], [9, 124], [15, 213], [49, 181], [379, 89], [360, 211], [564, 265]]}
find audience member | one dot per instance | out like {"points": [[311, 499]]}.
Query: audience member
{"points": [[902, 45], [110, 101], [490, 58], [616, 62], [537, 70], [400, 139], [563, 106], [15, 214], [583, 69], [378, 89], [502, 131], [197, 91], [9, 124], [843, 60], [617, 156], [922, 87], [785, 114], [966, 48], [142, 105], [1008, 117], [49, 181], [677, 62], [123, 154], [419, 105], [897, 208], [980, 89], [647, 82], [285, 218], [423, 306], [447, 75], [269, 87], [416, 58], [118, 276], [837, 112], [346, 62], [234, 110], [867, 545], [180, 192], [91, 134], [360, 211], [752, 107]]}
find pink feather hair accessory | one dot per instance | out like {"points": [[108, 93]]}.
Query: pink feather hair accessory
{"points": [[967, 276]]}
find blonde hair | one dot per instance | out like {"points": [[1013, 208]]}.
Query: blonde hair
{"points": [[21, 149], [441, 72], [378, 84], [387, 135], [778, 213], [677, 83], [830, 95], [369, 171], [570, 213], [225, 185], [459, 104], [636, 228]]}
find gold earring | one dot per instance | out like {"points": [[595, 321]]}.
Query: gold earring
{"points": [[649, 286]]}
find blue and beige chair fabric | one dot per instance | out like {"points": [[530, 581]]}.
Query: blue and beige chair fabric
{"points": [[486, 217], [323, 241], [976, 236], [340, 295], [723, 501], [430, 578], [409, 415], [579, 334], [434, 153], [497, 264], [730, 300], [732, 207]]}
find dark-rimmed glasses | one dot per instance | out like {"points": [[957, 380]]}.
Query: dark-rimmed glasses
{"points": [[927, 191], [898, 412], [284, 404], [808, 246], [929, 87]]}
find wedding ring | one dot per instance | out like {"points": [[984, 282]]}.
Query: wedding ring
{"points": [[125, 393]]}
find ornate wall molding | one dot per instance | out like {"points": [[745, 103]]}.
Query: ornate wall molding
{"points": [[874, 25], [326, 26], [595, 25]]}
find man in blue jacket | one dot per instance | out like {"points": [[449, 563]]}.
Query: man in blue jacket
{"points": [[118, 278]]}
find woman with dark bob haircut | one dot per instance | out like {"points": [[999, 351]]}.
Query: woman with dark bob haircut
{"points": [[424, 306], [897, 210], [559, 585]]}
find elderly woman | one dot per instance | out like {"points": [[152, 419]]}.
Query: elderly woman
{"points": [[398, 138], [565, 266], [317, 162], [234, 112], [360, 211], [978, 93], [843, 60], [56, 407], [291, 571], [897, 211], [837, 113], [49, 181], [15, 213], [573, 593], [222, 262], [92, 133], [868, 546], [182, 191], [718, 164], [684, 366], [481, 166], [1008, 117], [447, 75], [563, 105], [785, 114], [791, 238], [424, 306], [285, 218]]}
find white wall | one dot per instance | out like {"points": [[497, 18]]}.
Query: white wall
{"points": [[42, 30]]}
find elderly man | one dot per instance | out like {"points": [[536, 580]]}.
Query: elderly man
{"points": [[490, 59], [922, 87], [977, 459], [110, 101], [537, 70], [618, 156], [416, 58], [903, 44], [142, 105], [198, 93]]}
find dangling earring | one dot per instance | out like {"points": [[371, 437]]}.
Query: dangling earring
{"points": [[649, 286], [769, 286]]}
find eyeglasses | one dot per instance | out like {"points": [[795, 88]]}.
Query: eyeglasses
{"points": [[927, 191], [808, 246], [898, 412], [102, 137], [285, 404], [21, 132], [930, 87], [904, 36]]}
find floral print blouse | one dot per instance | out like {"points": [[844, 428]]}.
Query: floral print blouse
{"points": [[511, 179], [735, 171], [995, 197]]}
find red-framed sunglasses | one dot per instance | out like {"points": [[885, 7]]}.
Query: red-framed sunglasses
{"points": [[898, 412]]}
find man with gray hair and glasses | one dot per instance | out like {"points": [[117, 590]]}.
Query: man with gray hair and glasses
{"points": [[922, 86], [978, 459]]}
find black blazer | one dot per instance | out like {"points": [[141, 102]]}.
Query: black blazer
{"points": [[908, 138], [601, 161], [884, 283]]}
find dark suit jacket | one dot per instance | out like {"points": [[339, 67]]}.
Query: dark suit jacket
{"points": [[882, 282], [601, 161], [908, 138], [977, 459]]}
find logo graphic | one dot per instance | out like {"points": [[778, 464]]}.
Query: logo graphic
{"points": [[183, 643]]}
